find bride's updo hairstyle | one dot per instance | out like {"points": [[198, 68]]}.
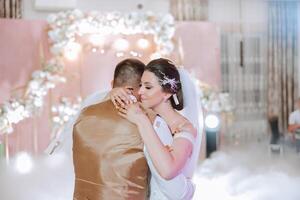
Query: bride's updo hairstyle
{"points": [[169, 79]]}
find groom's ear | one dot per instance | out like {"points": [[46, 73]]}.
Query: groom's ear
{"points": [[129, 88], [112, 83]]}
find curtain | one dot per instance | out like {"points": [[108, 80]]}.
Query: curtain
{"points": [[282, 59], [189, 10], [10, 8], [244, 78]]}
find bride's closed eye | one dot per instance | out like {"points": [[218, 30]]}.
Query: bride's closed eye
{"points": [[148, 87]]}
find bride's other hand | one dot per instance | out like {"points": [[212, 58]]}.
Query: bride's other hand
{"points": [[133, 113], [120, 96]]}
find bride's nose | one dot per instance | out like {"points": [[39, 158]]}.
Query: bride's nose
{"points": [[141, 90]]}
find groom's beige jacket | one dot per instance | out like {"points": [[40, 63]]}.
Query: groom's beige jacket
{"points": [[108, 156]]}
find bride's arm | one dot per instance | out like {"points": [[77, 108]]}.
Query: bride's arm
{"points": [[168, 163]]}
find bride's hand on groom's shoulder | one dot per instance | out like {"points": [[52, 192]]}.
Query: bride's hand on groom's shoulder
{"points": [[133, 112], [120, 96]]}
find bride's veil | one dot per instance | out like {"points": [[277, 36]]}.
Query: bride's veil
{"points": [[192, 110]]}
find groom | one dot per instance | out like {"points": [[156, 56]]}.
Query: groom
{"points": [[108, 156]]}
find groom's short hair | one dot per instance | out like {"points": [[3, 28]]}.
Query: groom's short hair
{"points": [[128, 72]]}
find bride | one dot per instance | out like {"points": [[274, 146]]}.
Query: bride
{"points": [[174, 153]]}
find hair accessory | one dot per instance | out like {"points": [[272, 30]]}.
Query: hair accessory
{"points": [[175, 99], [167, 80]]}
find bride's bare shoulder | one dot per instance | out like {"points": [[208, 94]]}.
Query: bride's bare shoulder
{"points": [[187, 126]]}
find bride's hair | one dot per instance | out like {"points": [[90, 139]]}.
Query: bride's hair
{"points": [[169, 79]]}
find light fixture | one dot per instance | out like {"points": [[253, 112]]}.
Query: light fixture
{"points": [[120, 54], [212, 122], [143, 43], [212, 127], [133, 53], [121, 44], [23, 163]]}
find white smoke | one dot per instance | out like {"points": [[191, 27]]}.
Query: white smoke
{"points": [[51, 178], [235, 174], [249, 173]]}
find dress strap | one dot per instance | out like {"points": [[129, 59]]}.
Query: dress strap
{"points": [[187, 135]]}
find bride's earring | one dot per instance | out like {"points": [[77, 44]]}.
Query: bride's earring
{"points": [[175, 99]]}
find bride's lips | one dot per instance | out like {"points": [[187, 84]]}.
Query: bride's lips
{"points": [[142, 99]]}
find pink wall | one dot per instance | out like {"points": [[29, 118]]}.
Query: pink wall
{"points": [[200, 42], [21, 43], [19, 52], [19, 56]]}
